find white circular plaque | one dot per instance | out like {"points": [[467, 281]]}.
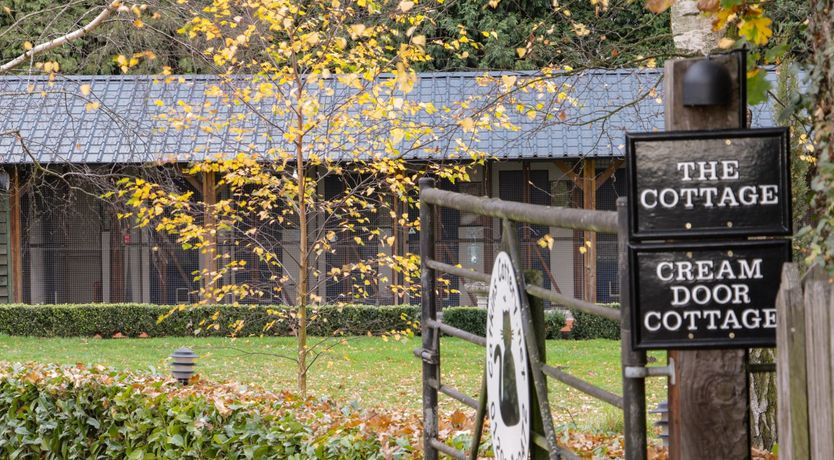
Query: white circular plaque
{"points": [[508, 396]]}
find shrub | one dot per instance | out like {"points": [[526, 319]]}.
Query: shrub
{"points": [[52, 412], [587, 326], [473, 319], [134, 319]]}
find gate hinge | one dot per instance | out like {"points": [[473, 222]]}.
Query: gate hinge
{"points": [[641, 372], [428, 356]]}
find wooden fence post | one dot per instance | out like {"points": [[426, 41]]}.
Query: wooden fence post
{"points": [[791, 380], [430, 336], [709, 405], [634, 389], [818, 342]]}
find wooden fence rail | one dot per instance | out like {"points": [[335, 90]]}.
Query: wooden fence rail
{"points": [[804, 344]]}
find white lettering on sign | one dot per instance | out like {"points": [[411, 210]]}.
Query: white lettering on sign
{"points": [[696, 320], [698, 285], [705, 270], [709, 196]]}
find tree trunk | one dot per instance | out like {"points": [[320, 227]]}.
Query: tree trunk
{"points": [[762, 402], [692, 30], [303, 281], [820, 28], [302, 294]]}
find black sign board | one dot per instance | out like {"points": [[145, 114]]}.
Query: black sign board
{"points": [[692, 184], [705, 295]]}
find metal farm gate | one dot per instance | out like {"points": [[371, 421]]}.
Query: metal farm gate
{"points": [[634, 370]]}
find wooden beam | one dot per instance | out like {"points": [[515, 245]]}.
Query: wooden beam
{"points": [[609, 171], [208, 260], [395, 249], [709, 405], [15, 238], [589, 201], [569, 172]]}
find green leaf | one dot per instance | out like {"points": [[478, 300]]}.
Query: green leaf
{"points": [[775, 53], [757, 87], [93, 423], [176, 440]]}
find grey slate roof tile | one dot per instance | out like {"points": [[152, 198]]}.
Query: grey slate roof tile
{"points": [[58, 128]]}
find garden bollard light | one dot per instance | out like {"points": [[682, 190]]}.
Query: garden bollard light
{"points": [[183, 363]]}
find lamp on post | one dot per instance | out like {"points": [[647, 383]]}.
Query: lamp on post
{"points": [[707, 83], [183, 361]]}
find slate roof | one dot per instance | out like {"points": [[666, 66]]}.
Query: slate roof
{"points": [[56, 126]]}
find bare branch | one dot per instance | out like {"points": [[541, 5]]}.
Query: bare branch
{"points": [[74, 35]]}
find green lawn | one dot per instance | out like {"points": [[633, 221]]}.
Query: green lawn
{"points": [[366, 369]]}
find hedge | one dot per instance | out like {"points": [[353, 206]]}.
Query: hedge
{"points": [[473, 319], [587, 326], [52, 412], [131, 320]]}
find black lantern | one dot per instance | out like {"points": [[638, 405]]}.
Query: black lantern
{"points": [[183, 361], [706, 83]]}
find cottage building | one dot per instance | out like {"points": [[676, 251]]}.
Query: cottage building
{"points": [[59, 245]]}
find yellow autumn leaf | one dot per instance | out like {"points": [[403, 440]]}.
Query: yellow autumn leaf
{"points": [[658, 6], [467, 124], [356, 30], [397, 135], [581, 30], [419, 40], [521, 52], [405, 6], [91, 106], [27, 46], [546, 241], [85, 90], [726, 43], [756, 30], [138, 23]]}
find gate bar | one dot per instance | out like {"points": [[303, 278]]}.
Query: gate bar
{"points": [[581, 305], [455, 394], [551, 216], [457, 271], [634, 388], [510, 239], [547, 294], [583, 386], [450, 451], [459, 333]]}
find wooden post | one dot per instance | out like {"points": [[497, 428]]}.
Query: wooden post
{"points": [[431, 336], [818, 344], [791, 375], [634, 389], [588, 184], [15, 238], [589, 201], [709, 405], [208, 254]]}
